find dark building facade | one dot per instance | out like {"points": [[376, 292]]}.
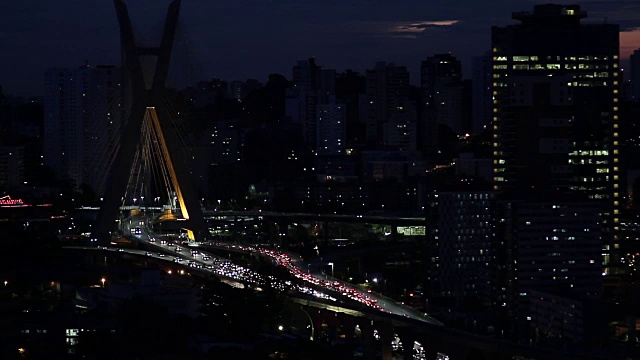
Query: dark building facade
{"points": [[555, 94], [441, 85], [387, 93]]}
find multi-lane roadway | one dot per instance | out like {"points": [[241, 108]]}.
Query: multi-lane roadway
{"points": [[318, 285]]}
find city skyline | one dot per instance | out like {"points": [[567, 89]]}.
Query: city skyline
{"points": [[253, 39]]}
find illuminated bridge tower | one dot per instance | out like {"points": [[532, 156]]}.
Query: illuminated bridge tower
{"points": [[147, 69]]}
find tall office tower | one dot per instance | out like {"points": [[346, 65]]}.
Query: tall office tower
{"points": [[441, 80], [331, 128], [400, 129], [82, 122], [387, 92], [481, 83], [460, 225], [441, 84], [312, 85], [634, 62], [556, 85]]}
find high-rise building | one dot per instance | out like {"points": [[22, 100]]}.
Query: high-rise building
{"points": [[387, 92], [441, 80], [461, 226], [331, 128], [481, 83], [306, 77], [312, 86], [556, 90], [400, 129], [634, 62], [83, 113]]}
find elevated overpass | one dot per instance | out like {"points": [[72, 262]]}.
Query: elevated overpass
{"points": [[439, 341], [307, 217]]}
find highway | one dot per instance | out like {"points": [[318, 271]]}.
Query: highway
{"points": [[295, 264], [330, 289]]}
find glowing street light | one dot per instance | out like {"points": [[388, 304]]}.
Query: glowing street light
{"points": [[103, 280]]}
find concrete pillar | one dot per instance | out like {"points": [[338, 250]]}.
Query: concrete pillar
{"points": [[348, 326], [325, 232], [318, 321], [283, 228], [332, 321], [394, 232], [385, 330], [368, 343], [234, 228], [408, 337], [430, 344]]}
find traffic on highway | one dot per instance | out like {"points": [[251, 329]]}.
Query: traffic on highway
{"points": [[191, 255]]}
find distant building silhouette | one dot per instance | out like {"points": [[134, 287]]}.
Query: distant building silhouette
{"points": [[400, 128], [481, 83], [387, 93], [12, 166], [83, 120], [311, 103], [331, 128], [442, 87], [240, 89]]}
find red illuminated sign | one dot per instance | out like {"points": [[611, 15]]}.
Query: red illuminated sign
{"points": [[8, 201]]}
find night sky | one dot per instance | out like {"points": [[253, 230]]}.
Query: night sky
{"points": [[239, 39]]}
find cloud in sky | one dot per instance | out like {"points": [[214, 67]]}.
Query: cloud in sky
{"points": [[415, 27]]}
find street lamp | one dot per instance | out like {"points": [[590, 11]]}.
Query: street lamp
{"points": [[331, 268], [310, 322], [103, 280]]}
